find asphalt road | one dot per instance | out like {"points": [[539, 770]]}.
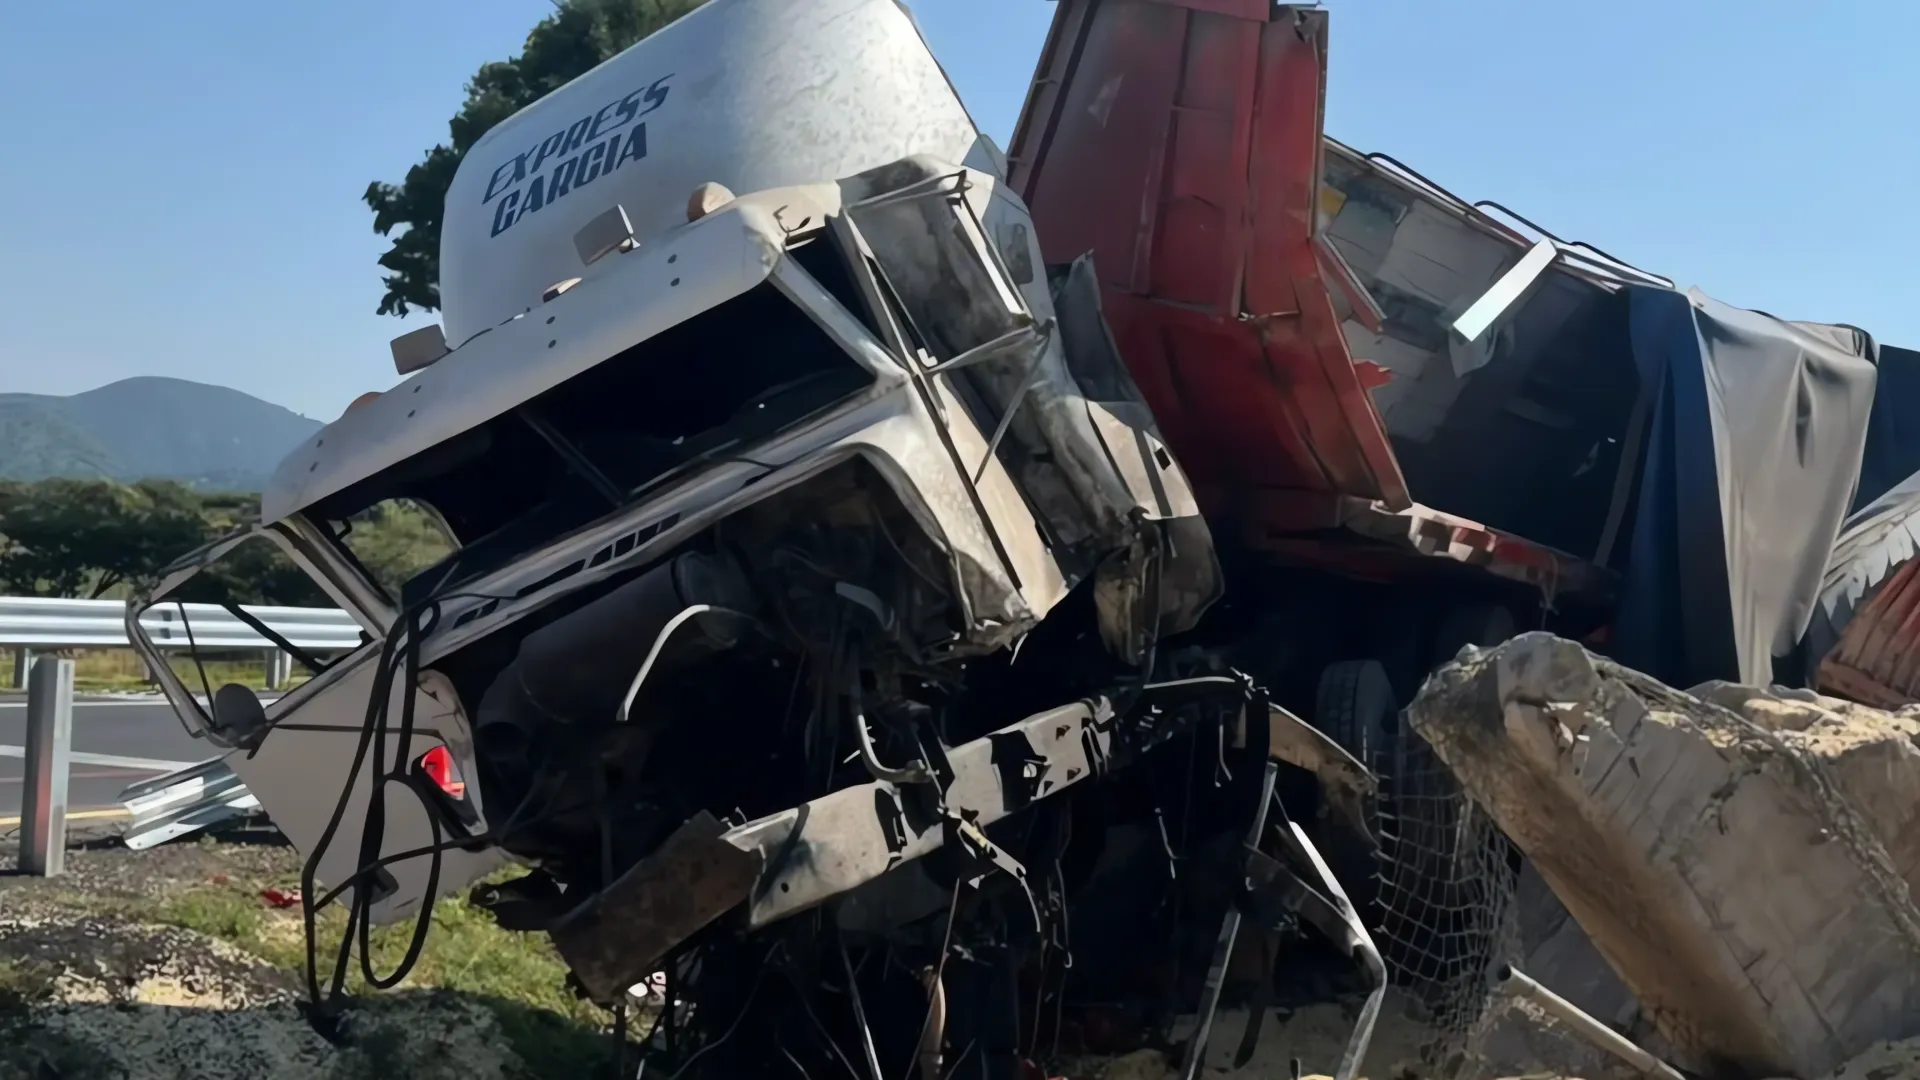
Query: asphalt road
{"points": [[100, 726]]}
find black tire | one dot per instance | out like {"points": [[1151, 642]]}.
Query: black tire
{"points": [[1355, 706]]}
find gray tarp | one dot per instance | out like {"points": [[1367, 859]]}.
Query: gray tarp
{"points": [[1751, 466]]}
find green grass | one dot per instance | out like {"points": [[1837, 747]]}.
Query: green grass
{"points": [[517, 976], [21, 985], [121, 670]]}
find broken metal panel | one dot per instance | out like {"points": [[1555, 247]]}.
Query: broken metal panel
{"points": [[826, 847], [1186, 567], [1349, 786], [961, 254], [1149, 128], [993, 353], [619, 303], [789, 862], [894, 433], [1506, 293], [618, 936], [184, 802], [299, 767], [839, 841]]}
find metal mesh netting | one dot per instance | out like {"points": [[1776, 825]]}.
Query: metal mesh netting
{"points": [[1445, 901], [1447, 916]]}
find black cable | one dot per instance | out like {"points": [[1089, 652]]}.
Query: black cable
{"points": [[373, 828], [620, 1041], [254, 623], [807, 1005], [382, 685], [491, 836], [409, 628]]}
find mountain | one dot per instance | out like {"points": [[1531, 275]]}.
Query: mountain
{"points": [[210, 437]]}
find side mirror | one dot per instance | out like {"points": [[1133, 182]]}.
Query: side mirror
{"points": [[238, 715]]}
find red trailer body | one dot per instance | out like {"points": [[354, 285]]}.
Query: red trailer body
{"points": [[1181, 143]]}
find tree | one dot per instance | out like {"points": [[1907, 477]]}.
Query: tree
{"points": [[395, 540], [254, 572], [565, 45], [86, 538], [81, 538]]}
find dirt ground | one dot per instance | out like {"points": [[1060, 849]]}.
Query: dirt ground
{"points": [[170, 965]]}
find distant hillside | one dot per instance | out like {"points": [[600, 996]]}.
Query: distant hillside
{"points": [[210, 437]]}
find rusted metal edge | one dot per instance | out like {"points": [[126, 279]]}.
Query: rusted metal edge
{"points": [[1348, 784], [797, 859], [842, 840], [618, 936]]}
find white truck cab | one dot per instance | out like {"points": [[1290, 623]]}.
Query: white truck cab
{"points": [[760, 422]]}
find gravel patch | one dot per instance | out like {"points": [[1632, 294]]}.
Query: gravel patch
{"points": [[93, 986]]}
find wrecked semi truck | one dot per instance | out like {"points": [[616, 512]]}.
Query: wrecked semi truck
{"points": [[812, 544], [844, 515]]}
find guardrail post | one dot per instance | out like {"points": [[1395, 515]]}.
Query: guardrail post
{"points": [[43, 803], [279, 670], [22, 659]]}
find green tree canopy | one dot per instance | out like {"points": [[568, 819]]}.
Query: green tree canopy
{"points": [[88, 538], [81, 538], [574, 39]]}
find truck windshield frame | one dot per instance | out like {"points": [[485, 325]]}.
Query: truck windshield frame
{"points": [[707, 390]]}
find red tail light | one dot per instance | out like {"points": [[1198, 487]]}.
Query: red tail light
{"points": [[438, 764]]}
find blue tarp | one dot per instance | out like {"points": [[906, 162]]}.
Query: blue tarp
{"points": [[1751, 465], [1893, 434]]}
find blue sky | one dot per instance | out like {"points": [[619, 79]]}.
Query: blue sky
{"points": [[181, 193]]}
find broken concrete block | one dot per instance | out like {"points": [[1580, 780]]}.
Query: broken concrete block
{"points": [[1743, 878]]}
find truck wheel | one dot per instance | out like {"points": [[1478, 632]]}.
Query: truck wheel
{"points": [[1355, 707]]}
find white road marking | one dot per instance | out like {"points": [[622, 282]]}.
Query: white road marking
{"points": [[109, 761], [94, 703]]}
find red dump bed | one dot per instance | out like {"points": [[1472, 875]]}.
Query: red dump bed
{"points": [[1181, 144], [1180, 141]]}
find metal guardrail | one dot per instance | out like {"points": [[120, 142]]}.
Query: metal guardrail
{"points": [[180, 801], [184, 799], [44, 623], [31, 622], [43, 796], [183, 802]]}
